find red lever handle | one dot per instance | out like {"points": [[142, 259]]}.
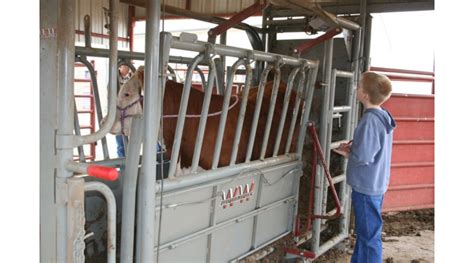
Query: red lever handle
{"points": [[103, 172]]}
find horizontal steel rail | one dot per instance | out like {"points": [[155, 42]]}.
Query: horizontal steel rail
{"points": [[223, 50], [212, 175], [339, 109]]}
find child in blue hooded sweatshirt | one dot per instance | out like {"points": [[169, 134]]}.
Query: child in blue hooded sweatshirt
{"points": [[368, 168]]}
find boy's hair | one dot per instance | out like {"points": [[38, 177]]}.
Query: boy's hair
{"points": [[377, 86]]}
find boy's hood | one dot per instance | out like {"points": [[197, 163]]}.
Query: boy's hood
{"points": [[385, 117]]}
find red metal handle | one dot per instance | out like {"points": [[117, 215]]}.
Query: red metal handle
{"points": [[317, 150], [103, 172], [300, 252]]}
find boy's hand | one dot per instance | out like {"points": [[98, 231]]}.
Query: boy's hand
{"points": [[344, 149]]}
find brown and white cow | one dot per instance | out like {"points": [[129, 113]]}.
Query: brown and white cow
{"points": [[130, 94]]}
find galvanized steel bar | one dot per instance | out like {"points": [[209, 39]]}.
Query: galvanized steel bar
{"points": [[112, 94], [328, 139], [218, 174], [286, 101], [310, 86], [214, 205], [296, 109], [204, 112], [201, 74], [111, 214], [219, 77], [225, 109], [339, 109], [344, 74], [165, 39], [330, 243], [129, 190], [48, 100], [256, 115], [258, 205], [152, 112], [182, 115], [323, 130], [65, 124], [200, 46], [243, 108], [82, 59], [339, 178], [117, 162], [275, 88], [344, 190], [77, 130], [100, 52]]}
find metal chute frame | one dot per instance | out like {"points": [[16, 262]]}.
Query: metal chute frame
{"points": [[203, 188]]}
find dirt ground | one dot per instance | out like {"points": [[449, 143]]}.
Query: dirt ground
{"points": [[407, 237]]}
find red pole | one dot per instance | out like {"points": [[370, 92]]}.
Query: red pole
{"points": [[237, 18], [313, 42], [318, 150]]}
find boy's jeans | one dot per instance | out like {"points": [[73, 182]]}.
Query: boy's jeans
{"points": [[368, 228]]}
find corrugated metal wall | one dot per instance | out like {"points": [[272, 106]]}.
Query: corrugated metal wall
{"points": [[94, 8], [217, 7]]}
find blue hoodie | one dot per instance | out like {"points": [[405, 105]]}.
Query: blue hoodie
{"points": [[368, 168]]}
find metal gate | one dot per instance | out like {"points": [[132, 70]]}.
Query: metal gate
{"points": [[225, 213]]}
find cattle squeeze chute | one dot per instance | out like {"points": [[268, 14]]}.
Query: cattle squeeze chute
{"points": [[222, 213], [226, 212]]}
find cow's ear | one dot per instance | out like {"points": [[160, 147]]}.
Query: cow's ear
{"points": [[140, 73]]}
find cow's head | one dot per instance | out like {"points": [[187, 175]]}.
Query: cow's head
{"points": [[128, 103]]}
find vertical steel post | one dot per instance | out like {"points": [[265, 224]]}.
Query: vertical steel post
{"points": [[49, 11], [152, 110], [296, 109], [204, 113], [129, 190], [323, 130], [271, 108], [183, 105], [243, 108], [77, 130], [328, 139], [225, 109], [286, 101], [65, 120], [310, 86], [256, 115]]}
